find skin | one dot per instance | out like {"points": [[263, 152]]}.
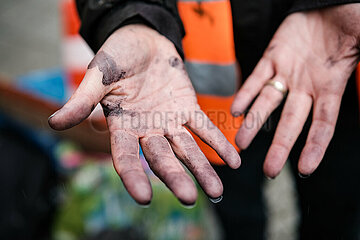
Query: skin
{"points": [[147, 98], [312, 54]]}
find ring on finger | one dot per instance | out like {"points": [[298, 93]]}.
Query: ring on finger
{"points": [[279, 86]]}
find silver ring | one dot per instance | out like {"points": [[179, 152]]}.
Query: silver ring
{"points": [[278, 86]]}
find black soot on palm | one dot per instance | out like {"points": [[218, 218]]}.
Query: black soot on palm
{"points": [[176, 62], [106, 64], [115, 109]]}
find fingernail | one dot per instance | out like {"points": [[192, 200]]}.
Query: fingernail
{"points": [[189, 206], [269, 178], [216, 200], [237, 114], [303, 176], [144, 205], [53, 115]]}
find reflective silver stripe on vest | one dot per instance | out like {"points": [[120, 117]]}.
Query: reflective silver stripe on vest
{"points": [[219, 80]]}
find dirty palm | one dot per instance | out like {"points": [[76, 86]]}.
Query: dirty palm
{"points": [[147, 98]]}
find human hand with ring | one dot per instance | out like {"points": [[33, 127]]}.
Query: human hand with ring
{"points": [[308, 61]]}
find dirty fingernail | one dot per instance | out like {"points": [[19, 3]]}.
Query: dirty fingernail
{"points": [[236, 114], [189, 206], [269, 178], [52, 115], [144, 205], [216, 200], [303, 176]]}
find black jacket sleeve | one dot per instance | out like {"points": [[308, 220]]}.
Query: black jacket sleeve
{"points": [[303, 5], [100, 18]]}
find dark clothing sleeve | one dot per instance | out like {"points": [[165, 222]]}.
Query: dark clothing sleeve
{"points": [[100, 18], [303, 5]]}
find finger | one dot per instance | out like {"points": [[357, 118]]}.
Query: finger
{"points": [[264, 105], [201, 125], [82, 102], [125, 153], [326, 110], [164, 164], [293, 118], [252, 86], [186, 149]]}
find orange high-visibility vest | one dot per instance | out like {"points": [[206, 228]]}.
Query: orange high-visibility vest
{"points": [[211, 64]]}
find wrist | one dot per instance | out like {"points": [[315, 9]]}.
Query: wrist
{"points": [[345, 18]]}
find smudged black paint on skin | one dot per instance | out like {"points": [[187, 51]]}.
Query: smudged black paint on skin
{"points": [[272, 47], [106, 64], [116, 110], [197, 163], [175, 62], [112, 110], [331, 61]]}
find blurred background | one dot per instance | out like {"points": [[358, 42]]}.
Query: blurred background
{"points": [[62, 185]]}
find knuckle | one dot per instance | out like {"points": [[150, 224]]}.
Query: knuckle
{"points": [[321, 133], [290, 116], [282, 145]]}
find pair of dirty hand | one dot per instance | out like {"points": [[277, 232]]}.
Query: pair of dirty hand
{"points": [[147, 98]]}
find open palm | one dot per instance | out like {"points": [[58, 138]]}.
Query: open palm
{"points": [[312, 54], [147, 98]]}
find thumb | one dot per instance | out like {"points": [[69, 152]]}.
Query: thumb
{"points": [[82, 102]]}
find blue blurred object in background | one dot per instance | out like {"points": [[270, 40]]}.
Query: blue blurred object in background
{"points": [[49, 84]]}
